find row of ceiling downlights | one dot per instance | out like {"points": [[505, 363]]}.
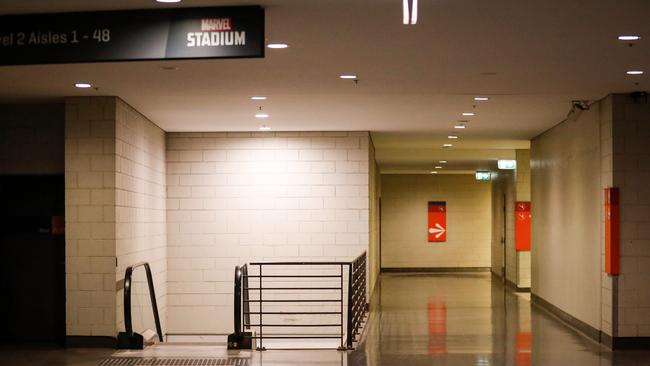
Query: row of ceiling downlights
{"points": [[462, 124]]}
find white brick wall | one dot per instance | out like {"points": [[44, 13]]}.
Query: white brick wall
{"points": [[404, 221], [115, 209], [36, 129], [140, 214], [522, 181], [631, 174], [238, 197], [90, 216], [503, 226]]}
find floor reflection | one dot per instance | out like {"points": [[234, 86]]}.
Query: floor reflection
{"points": [[416, 319], [471, 319]]}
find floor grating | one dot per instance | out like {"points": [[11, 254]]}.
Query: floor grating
{"points": [[161, 361]]}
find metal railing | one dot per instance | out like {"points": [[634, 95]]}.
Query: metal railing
{"points": [[350, 301], [129, 339]]}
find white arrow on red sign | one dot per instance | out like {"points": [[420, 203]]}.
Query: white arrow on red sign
{"points": [[438, 230]]}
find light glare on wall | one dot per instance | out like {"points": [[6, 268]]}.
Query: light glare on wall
{"points": [[483, 175], [507, 164]]}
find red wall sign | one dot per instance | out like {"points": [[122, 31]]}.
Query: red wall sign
{"points": [[437, 222], [612, 241], [522, 226]]}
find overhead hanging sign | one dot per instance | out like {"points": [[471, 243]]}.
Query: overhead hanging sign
{"points": [[133, 35], [437, 221]]}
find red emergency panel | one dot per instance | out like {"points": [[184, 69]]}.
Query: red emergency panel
{"points": [[437, 223], [522, 226], [612, 237]]}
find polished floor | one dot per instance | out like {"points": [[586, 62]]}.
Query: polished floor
{"points": [[417, 319]]}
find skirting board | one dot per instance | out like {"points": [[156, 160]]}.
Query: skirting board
{"points": [[615, 343], [517, 288], [434, 269]]}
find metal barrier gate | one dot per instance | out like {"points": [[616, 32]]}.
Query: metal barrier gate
{"points": [[328, 296]]}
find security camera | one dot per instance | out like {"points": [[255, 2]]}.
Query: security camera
{"points": [[582, 105]]}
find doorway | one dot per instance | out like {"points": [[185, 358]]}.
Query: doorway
{"points": [[32, 249]]}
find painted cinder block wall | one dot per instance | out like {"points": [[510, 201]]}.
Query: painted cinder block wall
{"points": [[404, 200], [115, 210], [572, 164], [238, 197], [32, 138]]}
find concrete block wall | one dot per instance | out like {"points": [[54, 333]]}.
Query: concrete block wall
{"points": [[37, 129], [238, 197], [503, 224], [522, 181], [631, 174], [404, 221], [90, 216], [140, 212], [607, 317], [374, 245], [115, 213]]}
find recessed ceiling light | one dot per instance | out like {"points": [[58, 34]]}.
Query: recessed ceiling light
{"points": [[460, 126], [469, 114], [438, 167], [634, 72], [443, 161], [447, 145], [434, 172], [277, 45], [629, 38], [453, 137], [265, 128], [507, 164], [261, 115], [258, 98], [168, 1], [481, 99], [83, 85], [348, 76]]}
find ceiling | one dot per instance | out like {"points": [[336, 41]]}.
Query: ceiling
{"points": [[531, 57]]}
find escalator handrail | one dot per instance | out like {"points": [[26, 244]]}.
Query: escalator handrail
{"points": [[128, 325]]}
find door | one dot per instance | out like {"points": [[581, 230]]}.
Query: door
{"points": [[32, 280]]}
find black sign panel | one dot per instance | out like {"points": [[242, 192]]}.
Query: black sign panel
{"points": [[159, 34]]}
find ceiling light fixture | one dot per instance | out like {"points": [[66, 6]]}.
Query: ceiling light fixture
{"points": [[348, 77], [261, 115], [447, 145], [634, 72], [83, 85], [443, 161], [265, 128], [434, 172], [481, 99], [438, 167], [277, 46], [453, 137], [258, 98], [469, 114], [629, 38], [507, 164], [460, 126], [483, 175], [409, 12]]}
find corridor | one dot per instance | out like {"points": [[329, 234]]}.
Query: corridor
{"points": [[455, 318], [472, 319]]}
